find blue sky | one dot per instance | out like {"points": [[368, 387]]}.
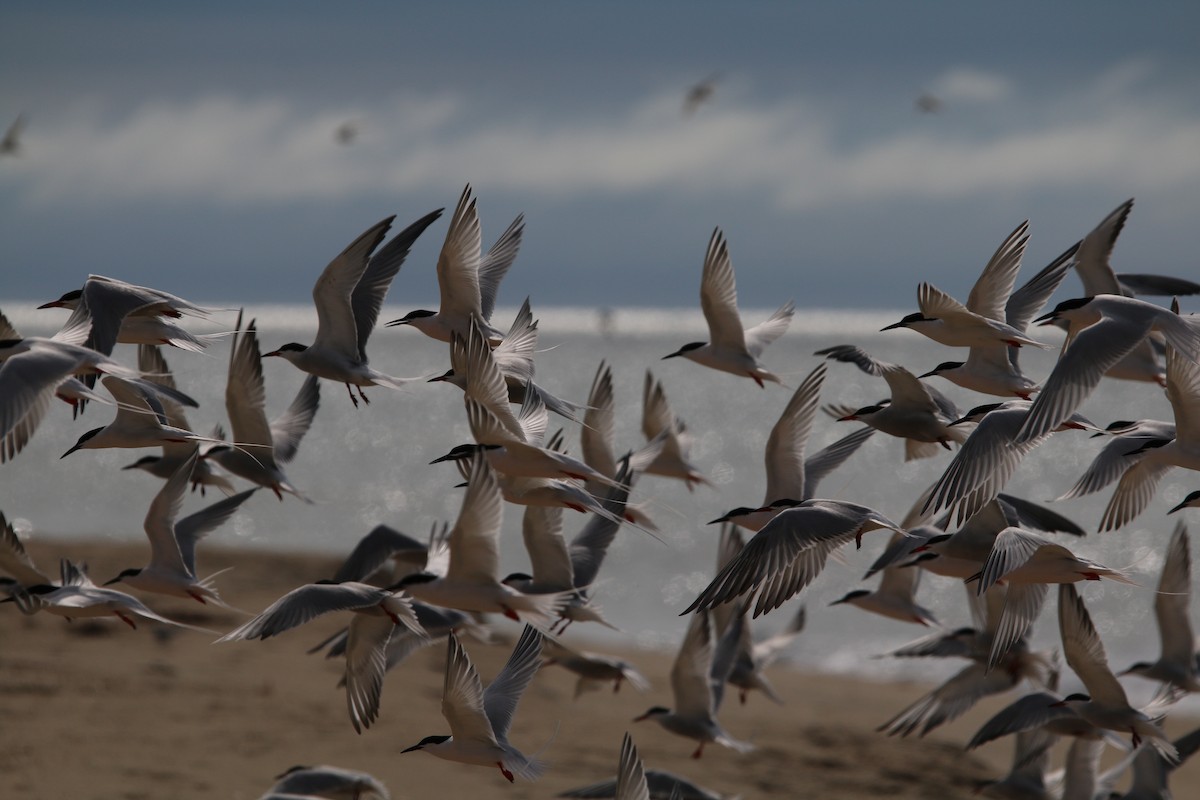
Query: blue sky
{"points": [[191, 147]]}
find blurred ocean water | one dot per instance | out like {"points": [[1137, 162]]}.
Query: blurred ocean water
{"points": [[371, 464]]}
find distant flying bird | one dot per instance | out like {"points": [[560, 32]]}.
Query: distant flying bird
{"points": [[928, 103], [699, 94], [10, 145], [346, 133]]}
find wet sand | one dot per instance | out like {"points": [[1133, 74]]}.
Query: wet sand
{"points": [[96, 710]]}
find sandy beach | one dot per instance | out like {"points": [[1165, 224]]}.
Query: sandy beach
{"points": [[96, 710]]}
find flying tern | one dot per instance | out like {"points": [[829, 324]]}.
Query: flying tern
{"points": [[467, 280], [1105, 704], [260, 446], [348, 296], [980, 321], [731, 349], [480, 718], [172, 567], [330, 782], [697, 691], [916, 412]]}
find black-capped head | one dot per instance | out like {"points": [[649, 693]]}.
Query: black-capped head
{"points": [[1138, 667], [945, 366], [8, 344], [977, 413], [1078, 697], [414, 579], [740, 511], [125, 573], [909, 319], [1066, 306], [68, 299], [407, 319], [1151, 444], [445, 376], [290, 347], [428, 740], [851, 596], [865, 411], [82, 441], [144, 461], [517, 577], [656, 711], [290, 770], [459, 453], [1191, 500], [687, 348]]}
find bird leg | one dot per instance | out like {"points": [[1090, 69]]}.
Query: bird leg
{"points": [[699, 751], [350, 392], [1137, 740], [126, 620], [363, 396], [504, 772]]}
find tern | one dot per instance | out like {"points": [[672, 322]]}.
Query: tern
{"points": [[76, 597], [980, 321], [989, 456], [1100, 331], [140, 421], [468, 282], [593, 668], [731, 349], [1041, 710], [480, 718], [261, 446], [1105, 704], [378, 613], [514, 359], [662, 786], [1137, 486], [916, 412], [993, 368], [348, 296], [697, 691], [789, 552], [34, 369], [204, 473], [977, 680], [15, 561], [510, 443], [109, 305], [332, 782], [557, 567], [1178, 664], [172, 567], [471, 582], [791, 476], [894, 597], [668, 433], [737, 653], [1127, 446], [1142, 363], [597, 444]]}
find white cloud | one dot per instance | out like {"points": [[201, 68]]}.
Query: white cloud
{"points": [[964, 84], [225, 150]]}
